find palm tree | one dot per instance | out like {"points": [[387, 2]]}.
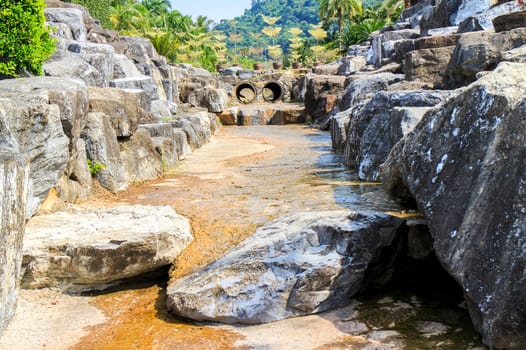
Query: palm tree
{"points": [[157, 7], [339, 10]]}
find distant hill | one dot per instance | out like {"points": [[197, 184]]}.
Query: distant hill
{"points": [[244, 33]]}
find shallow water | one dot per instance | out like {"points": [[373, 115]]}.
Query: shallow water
{"points": [[245, 177]]}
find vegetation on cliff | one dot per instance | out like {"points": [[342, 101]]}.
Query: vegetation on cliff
{"points": [[271, 30], [25, 42]]}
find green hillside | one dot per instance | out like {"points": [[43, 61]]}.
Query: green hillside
{"points": [[245, 35]]}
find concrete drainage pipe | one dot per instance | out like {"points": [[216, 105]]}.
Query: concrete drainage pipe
{"points": [[272, 91], [246, 93]]}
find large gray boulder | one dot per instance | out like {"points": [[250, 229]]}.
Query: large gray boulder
{"points": [[197, 127], [14, 171], [90, 62], [464, 165], [377, 126], [428, 65], [480, 51], [483, 20], [122, 107], [140, 159], [365, 87], [31, 124], [102, 148], [317, 90], [88, 249], [71, 95], [300, 264], [73, 18]]}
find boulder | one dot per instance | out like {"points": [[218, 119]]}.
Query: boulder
{"points": [[509, 21], [316, 89], [164, 110], [121, 106], [515, 55], [97, 248], [300, 264], [197, 128], [215, 100], [468, 8], [435, 15], [139, 157], [366, 86], [480, 51], [102, 148], [14, 172], [141, 82], [484, 19], [32, 125], [89, 23], [71, 95], [428, 65], [76, 186], [71, 17], [382, 44], [376, 126], [338, 128], [92, 63], [464, 167], [123, 67]]}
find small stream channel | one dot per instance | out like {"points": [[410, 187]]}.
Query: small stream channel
{"points": [[245, 177]]}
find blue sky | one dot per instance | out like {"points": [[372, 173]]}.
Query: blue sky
{"points": [[214, 9]]}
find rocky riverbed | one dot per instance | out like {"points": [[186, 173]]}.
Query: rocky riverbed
{"points": [[241, 180]]}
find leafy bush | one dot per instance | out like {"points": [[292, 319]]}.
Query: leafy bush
{"points": [[95, 168], [99, 9], [25, 43], [358, 33]]}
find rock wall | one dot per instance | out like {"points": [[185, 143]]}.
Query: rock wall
{"points": [[14, 171], [464, 165], [457, 154]]}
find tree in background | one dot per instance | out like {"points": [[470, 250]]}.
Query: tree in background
{"points": [[25, 42], [340, 10]]}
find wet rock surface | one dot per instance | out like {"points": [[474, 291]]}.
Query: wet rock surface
{"points": [[96, 248]]}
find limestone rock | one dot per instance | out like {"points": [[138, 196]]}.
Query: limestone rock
{"points": [[29, 122], [509, 21], [141, 82], [95, 248], [484, 19], [71, 17], [122, 107], [140, 159], [215, 100], [300, 264], [468, 8], [464, 165], [364, 87], [480, 51], [428, 65], [14, 172], [102, 147], [197, 128], [123, 67], [316, 89], [92, 63], [379, 124], [163, 110]]}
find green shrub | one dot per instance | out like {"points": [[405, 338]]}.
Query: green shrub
{"points": [[95, 168], [25, 43], [99, 9]]}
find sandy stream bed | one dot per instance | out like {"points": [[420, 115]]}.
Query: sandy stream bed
{"points": [[245, 177]]}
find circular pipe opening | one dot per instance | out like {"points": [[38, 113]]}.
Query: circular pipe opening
{"points": [[272, 92], [246, 93]]}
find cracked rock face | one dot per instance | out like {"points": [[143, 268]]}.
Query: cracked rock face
{"points": [[93, 249], [301, 264], [465, 166]]}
